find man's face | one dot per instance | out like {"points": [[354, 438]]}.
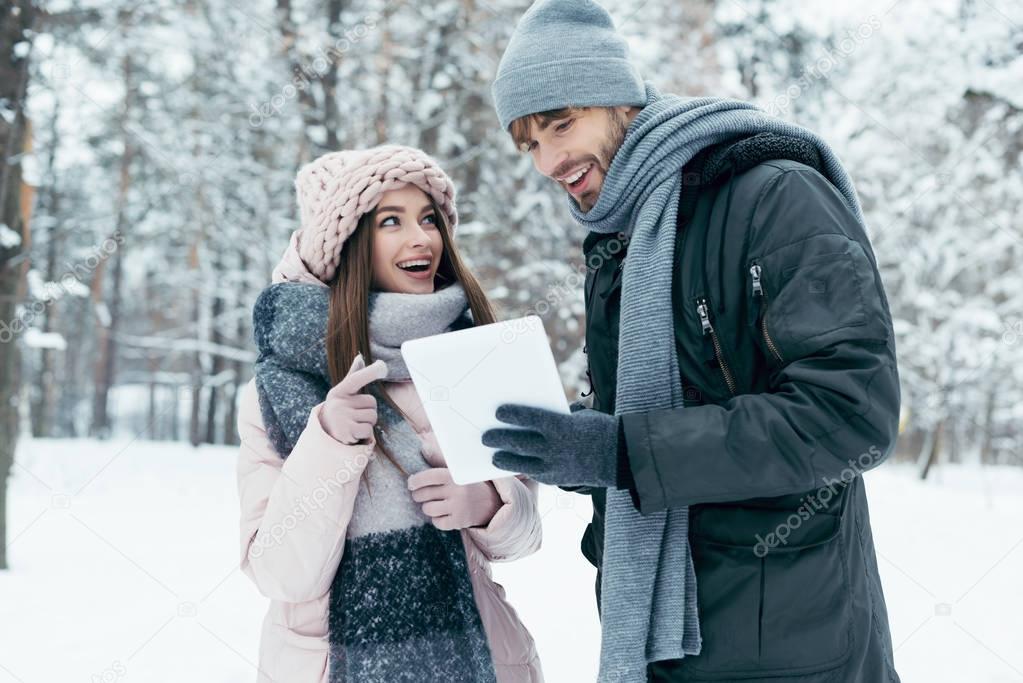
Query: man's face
{"points": [[576, 151]]}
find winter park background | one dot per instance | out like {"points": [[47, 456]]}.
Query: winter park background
{"points": [[148, 152]]}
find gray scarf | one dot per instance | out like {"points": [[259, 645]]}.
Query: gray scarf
{"points": [[648, 607], [290, 342], [396, 318], [401, 604]]}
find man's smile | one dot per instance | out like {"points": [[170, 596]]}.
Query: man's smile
{"points": [[578, 181]]}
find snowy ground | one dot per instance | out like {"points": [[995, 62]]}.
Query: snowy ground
{"points": [[124, 559]]}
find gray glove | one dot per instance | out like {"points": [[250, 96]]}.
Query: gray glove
{"points": [[580, 449]]}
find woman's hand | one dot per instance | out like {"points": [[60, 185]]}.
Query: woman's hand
{"points": [[347, 415], [451, 506]]}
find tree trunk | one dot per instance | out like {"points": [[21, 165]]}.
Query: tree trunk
{"points": [[231, 409], [195, 434], [195, 431], [385, 60], [217, 361], [152, 428], [331, 117], [44, 410], [15, 30], [432, 63], [73, 390], [987, 438], [297, 68], [932, 449], [174, 421], [105, 368]]}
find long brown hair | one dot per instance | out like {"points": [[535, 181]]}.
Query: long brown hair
{"points": [[348, 313]]}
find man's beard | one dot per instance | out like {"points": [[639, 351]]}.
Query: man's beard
{"points": [[617, 127]]}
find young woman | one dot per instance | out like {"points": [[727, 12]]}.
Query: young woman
{"points": [[376, 564]]}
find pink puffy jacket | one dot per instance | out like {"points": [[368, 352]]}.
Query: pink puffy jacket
{"points": [[294, 516]]}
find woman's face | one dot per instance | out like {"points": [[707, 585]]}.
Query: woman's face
{"points": [[406, 232]]}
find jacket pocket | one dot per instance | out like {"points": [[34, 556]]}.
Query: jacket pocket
{"points": [[769, 607], [812, 293]]}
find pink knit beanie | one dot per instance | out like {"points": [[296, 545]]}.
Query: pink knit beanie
{"points": [[336, 189]]}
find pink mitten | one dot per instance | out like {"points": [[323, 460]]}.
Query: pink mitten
{"points": [[451, 506], [348, 415]]}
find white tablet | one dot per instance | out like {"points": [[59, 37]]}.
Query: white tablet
{"points": [[462, 377]]}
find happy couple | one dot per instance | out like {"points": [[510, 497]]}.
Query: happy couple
{"points": [[741, 357]]}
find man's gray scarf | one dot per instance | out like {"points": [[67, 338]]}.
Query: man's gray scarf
{"points": [[648, 606], [401, 604]]}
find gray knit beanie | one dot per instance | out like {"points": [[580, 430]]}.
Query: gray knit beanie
{"points": [[564, 53]]}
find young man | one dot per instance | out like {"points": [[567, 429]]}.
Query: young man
{"points": [[742, 361]]}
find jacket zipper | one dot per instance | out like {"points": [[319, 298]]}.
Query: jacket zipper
{"points": [[589, 377], [759, 293], [703, 310]]}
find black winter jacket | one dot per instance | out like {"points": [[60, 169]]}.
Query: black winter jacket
{"points": [[787, 356]]}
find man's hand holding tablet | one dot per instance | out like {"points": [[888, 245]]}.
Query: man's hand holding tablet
{"points": [[579, 449], [462, 378]]}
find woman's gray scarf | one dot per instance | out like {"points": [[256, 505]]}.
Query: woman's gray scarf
{"points": [[395, 318], [648, 606], [401, 604]]}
